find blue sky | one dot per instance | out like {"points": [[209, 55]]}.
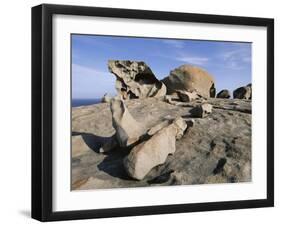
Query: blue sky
{"points": [[228, 62]]}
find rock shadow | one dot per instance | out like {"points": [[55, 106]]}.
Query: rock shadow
{"points": [[94, 142], [113, 164]]}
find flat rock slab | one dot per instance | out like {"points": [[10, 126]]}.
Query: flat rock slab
{"points": [[217, 149]]}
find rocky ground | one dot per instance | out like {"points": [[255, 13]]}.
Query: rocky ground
{"points": [[217, 149]]}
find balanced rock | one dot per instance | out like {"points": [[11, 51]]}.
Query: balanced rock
{"points": [[244, 92], [192, 79], [134, 79], [154, 151], [202, 110], [128, 130], [225, 94]]}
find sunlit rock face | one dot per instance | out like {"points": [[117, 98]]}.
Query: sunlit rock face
{"points": [[192, 79]]}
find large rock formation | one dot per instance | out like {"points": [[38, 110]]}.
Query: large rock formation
{"points": [[224, 94], [217, 149], [154, 151], [134, 79], [128, 130], [244, 92], [192, 79]]}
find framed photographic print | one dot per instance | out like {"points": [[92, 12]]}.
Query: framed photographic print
{"points": [[145, 112]]}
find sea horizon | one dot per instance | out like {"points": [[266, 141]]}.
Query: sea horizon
{"points": [[78, 102]]}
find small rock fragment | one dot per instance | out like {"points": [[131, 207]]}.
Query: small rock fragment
{"points": [[180, 126], [186, 96], [202, 110], [106, 98]]}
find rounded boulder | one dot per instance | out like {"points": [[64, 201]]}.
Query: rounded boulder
{"points": [[192, 79]]}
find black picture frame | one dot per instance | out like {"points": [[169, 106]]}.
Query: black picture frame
{"points": [[42, 107]]}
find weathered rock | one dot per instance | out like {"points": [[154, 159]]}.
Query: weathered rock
{"points": [[202, 110], [153, 152], [225, 94], [106, 98], [244, 92], [186, 96], [192, 79], [180, 125], [128, 130], [226, 133], [134, 79]]}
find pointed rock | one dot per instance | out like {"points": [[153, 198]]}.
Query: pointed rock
{"points": [[128, 130]]}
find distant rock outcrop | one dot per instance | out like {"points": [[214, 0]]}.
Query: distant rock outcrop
{"points": [[244, 92], [106, 98], [192, 79], [134, 79], [225, 94]]}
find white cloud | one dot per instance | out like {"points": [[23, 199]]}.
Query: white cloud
{"points": [[237, 58], [193, 60], [186, 58], [174, 43]]}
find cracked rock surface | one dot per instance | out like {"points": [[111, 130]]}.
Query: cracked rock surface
{"points": [[217, 149]]}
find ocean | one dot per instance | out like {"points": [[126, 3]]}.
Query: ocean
{"points": [[84, 102]]}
